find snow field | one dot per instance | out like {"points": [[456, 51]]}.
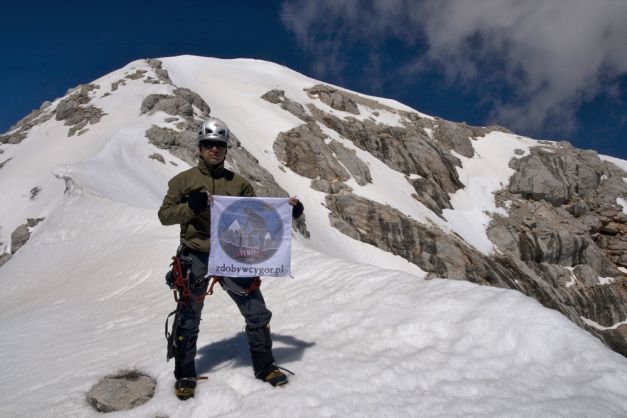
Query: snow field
{"points": [[362, 341]]}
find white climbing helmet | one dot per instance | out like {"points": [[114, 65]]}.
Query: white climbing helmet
{"points": [[213, 129]]}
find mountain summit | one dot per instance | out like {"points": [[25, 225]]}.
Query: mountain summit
{"points": [[392, 197]]}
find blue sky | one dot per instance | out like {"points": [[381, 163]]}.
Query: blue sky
{"points": [[554, 69]]}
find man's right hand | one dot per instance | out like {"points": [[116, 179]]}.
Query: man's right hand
{"points": [[198, 201]]}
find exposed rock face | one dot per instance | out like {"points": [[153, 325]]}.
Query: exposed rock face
{"points": [[330, 187], [168, 104], [304, 150], [21, 235], [564, 230], [458, 136], [181, 104], [334, 98], [76, 111], [348, 157], [186, 106], [431, 249], [295, 108], [136, 75], [559, 176], [243, 161], [116, 84], [161, 72], [194, 99], [310, 153], [182, 144], [455, 136], [18, 132], [407, 149], [444, 255], [564, 224], [122, 391], [385, 228], [428, 163], [14, 137]]}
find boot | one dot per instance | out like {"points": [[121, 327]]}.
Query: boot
{"points": [[185, 388], [274, 376]]}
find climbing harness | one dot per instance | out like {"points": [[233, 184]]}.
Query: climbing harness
{"points": [[177, 279]]}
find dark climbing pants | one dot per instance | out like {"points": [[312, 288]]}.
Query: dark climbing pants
{"points": [[251, 306]]}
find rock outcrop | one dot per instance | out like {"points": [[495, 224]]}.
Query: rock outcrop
{"points": [[180, 104], [295, 108], [181, 144], [565, 225], [434, 251], [76, 110], [21, 234], [18, 132], [334, 98], [162, 73], [304, 150], [408, 149], [19, 237]]}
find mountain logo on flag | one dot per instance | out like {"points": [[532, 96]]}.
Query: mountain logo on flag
{"points": [[250, 231]]}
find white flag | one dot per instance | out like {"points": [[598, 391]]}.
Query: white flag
{"points": [[250, 236]]}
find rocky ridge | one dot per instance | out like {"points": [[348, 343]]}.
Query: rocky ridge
{"points": [[563, 230], [18, 131], [177, 134], [77, 111]]}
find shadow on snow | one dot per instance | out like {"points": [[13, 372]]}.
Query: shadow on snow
{"points": [[235, 352]]}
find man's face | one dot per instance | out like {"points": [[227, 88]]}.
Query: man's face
{"points": [[213, 152]]}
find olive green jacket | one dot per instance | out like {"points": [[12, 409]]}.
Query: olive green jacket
{"points": [[217, 180]]}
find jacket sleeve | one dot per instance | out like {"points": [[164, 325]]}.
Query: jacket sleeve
{"points": [[173, 211]]}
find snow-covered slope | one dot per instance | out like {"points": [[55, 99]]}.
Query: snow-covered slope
{"points": [[362, 341], [86, 297]]}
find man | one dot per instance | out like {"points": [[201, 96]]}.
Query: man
{"points": [[187, 203]]}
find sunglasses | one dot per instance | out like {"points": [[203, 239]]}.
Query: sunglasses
{"points": [[210, 144]]}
